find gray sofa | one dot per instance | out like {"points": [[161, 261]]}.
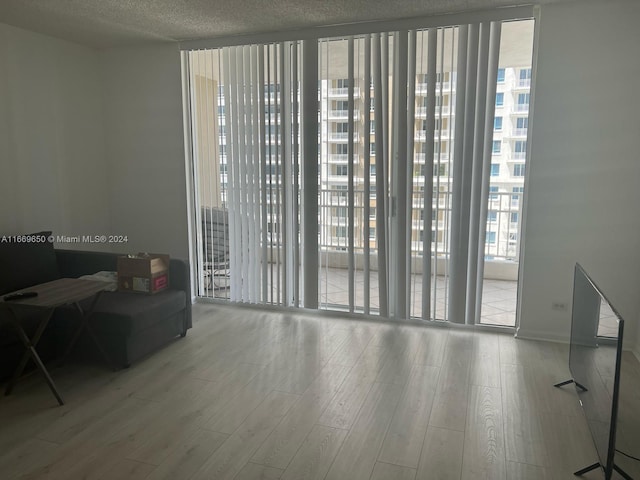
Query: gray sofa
{"points": [[128, 325]]}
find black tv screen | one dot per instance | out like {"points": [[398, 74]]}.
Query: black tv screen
{"points": [[594, 361]]}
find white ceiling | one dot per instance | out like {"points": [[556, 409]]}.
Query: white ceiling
{"points": [[110, 23]]}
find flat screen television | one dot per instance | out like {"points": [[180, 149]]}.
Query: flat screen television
{"points": [[594, 361]]}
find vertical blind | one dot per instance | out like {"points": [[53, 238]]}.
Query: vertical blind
{"points": [[256, 113], [372, 152]]}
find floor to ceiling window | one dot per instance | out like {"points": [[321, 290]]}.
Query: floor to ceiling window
{"points": [[419, 204]]}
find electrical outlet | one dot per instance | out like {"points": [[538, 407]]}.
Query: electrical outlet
{"points": [[559, 306]]}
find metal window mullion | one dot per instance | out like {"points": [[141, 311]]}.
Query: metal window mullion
{"points": [[432, 40], [350, 174]]}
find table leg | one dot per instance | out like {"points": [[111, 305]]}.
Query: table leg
{"points": [[84, 325], [30, 351]]}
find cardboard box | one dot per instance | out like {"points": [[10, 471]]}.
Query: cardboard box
{"points": [[143, 273]]}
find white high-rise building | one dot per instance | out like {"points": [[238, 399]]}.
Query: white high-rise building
{"points": [[507, 163]]}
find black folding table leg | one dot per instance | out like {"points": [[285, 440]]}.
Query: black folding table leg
{"points": [[52, 386], [587, 469], [27, 342], [84, 325], [30, 351], [622, 473]]}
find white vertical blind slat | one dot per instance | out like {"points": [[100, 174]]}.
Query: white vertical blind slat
{"points": [[296, 175], [410, 140], [350, 173], [309, 119], [381, 171], [475, 199], [398, 291], [457, 280], [492, 80], [367, 174], [263, 174], [432, 40]]}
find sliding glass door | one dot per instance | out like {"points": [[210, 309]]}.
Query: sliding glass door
{"points": [[398, 191]]}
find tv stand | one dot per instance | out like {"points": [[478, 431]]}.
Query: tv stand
{"points": [[596, 465], [567, 382]]}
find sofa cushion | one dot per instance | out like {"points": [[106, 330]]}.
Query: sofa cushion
{"points": [[128, 313], [25, 264]]}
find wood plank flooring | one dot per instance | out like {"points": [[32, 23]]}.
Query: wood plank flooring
{"points": [[256, 395]]}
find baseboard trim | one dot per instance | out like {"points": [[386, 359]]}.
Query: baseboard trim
{"points": [[541, 336]]}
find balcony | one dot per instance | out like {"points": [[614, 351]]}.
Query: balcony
{"points": [[499, 297], [519, 132], [342, 136], [334, 178], [343, 92], [421, 88], [421, 157], [422, 111], [521, 107], [421, 135], [342, 114], [500, 271], [339, 158]]}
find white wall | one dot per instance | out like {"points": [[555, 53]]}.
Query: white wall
{"points": [[51, 137], [584, 185], [145, 147]]}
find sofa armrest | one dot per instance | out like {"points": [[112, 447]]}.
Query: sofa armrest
{"points": [[180, 279], [75, 263]]}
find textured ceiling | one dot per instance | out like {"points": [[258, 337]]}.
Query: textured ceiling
{"points": [[109, 23]]}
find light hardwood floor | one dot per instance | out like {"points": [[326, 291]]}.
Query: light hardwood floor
{"points": [[254, 395]]}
